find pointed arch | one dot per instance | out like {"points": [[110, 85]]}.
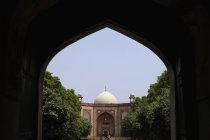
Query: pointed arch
{"points": [[131, 34], [105, 125]]}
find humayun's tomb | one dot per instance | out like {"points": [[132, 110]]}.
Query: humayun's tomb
{"points": [[106, 114]]}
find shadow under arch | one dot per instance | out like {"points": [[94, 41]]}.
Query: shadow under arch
{"points": [[131, 34], [105, 125]]}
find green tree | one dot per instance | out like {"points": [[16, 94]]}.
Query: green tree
{"points": [[61, 111], [86, 127], [135, 107], [159, 88], [158, 99], [151, 113], [130, 125]]}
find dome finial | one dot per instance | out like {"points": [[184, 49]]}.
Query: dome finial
{"points": [[105, 88]]}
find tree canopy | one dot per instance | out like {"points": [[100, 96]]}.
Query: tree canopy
{"points": [[61, 112], [150, 116]]}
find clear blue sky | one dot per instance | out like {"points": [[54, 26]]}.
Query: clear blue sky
{"points": [[107, 58]]}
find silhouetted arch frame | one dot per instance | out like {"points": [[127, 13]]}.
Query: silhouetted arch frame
{"points": [[129, 33]]}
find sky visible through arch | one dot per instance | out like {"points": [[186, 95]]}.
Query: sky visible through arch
{"points": [[107, 58]]}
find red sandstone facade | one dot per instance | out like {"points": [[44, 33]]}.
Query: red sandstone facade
{"points": [[105, 118]]}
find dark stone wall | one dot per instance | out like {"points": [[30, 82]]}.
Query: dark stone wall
{"points": [[33, 32]]}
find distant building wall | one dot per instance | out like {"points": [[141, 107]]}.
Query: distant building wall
{"points": [[92, 112]]}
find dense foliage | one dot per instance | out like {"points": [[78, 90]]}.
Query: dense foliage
{"points": [[150, 116], [61, 112]]}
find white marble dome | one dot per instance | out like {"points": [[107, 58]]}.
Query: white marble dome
{"points": [[105, 98]]}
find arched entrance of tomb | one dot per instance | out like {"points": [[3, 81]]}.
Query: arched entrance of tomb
{"points": [[105, 125]]}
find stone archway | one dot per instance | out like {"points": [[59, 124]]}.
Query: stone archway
{"points": [[105, 125], [46, 32]]}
